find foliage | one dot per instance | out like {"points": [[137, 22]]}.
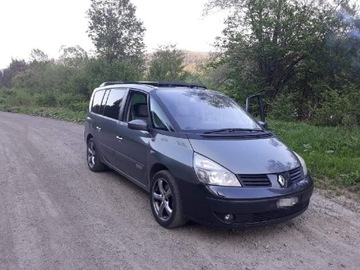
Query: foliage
{"points": [[16, 97], [46, 99], [15, 67], [290, 50], [56, 113], [302, 55], [74, 57], [167, 64], [99, 70], [328, 151], [114, 29], [336, 109], [38, 56]]}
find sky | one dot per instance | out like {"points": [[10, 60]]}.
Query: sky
{"points": [[49, 24]]}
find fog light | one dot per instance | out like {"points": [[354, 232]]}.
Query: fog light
{"points": [[228, 217]]}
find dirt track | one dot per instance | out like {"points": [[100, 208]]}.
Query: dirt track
{"points": [[56, 214]]}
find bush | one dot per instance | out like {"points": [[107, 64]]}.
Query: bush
{"points": [[283, 108], [336, 109], [24, 98], [7, 92], [46, 99], [78, 106], [16, 97], [65, 99]]}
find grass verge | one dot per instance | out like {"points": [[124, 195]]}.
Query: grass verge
{"points": [[332, 154], [52, 112]]}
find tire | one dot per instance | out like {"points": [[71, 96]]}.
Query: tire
{"points": [[165, 201], [93, 157]]}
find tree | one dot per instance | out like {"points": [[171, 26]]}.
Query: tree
{"points": [[16, 67], [99, 70], [38, 56], [167, 64], [114, 29], [281, 47], [73, 57]]}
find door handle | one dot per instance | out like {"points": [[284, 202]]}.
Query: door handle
{"points": [[98, 128], [119, 138]]}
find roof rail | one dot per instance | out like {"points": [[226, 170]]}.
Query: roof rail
{"points": [[157, 84], [111, 83]]}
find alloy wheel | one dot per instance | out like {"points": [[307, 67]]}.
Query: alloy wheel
{"points": [[162, 199], [91, 154]]}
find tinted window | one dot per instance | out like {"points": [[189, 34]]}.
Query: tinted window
{"points": [[97, 98], [102, 106], [113, 103], [137, 108], [205, 110], [158, 117]]}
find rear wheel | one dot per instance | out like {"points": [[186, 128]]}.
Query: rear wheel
{"points": [[93, 158], [165, 200]]}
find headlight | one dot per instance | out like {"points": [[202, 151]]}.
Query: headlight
{"points": [[209, 172], [303, 165]]}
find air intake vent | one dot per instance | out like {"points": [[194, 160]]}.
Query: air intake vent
{"points": [[296, 174], [254, 180]]}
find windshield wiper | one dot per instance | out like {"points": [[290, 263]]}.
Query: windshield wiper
{"points": [[232, 130]]}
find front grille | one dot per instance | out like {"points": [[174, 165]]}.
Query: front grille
{"points": [[296, 174], [254, 180], [270, 215], [262, 180]]}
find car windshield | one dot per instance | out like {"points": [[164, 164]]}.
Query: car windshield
{"points": [[205, 110]]}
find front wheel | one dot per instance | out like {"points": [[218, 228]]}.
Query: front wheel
{"points": [[165, 200]]}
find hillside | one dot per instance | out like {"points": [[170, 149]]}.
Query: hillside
{"points": [[194, 60]]}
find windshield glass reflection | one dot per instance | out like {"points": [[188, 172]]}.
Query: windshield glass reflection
{"points": [[205, 110]]}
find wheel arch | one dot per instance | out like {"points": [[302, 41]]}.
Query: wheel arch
{"points": [[157, 167], [89, 136]]}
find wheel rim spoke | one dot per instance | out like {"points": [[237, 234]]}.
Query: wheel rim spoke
{"points": [[161, 210], [168, 193], [161, 187], [168, 209], [93, 160], [157, 196], [91, 154], [89, 159], [90, 151]]}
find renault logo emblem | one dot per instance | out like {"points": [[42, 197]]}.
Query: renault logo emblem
{"points": [[281, 180]]}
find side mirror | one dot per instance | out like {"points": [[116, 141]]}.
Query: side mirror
{"points": [[255, 106], [138, 124], [263, 124]]}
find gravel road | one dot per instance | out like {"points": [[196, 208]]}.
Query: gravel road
{"points": [[56, 214]]}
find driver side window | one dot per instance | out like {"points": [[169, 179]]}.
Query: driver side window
{"points": [[137, 107]]}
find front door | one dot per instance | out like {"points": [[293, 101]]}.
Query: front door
{"points": [[132, 151]]}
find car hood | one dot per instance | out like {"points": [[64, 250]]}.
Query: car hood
{"points": [[248, 156]]}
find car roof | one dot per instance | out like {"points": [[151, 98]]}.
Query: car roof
{"points": [[151, 85]]}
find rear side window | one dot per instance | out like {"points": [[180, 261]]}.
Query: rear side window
{"points": [[113, 103], [96, 103]]}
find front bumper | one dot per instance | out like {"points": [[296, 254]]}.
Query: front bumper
{"points": [[248, 207]]}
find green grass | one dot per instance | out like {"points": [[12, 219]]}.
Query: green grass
{"points": [[332, 154], [52, 112]]}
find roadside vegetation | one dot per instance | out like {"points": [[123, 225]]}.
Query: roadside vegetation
{"points": [[302, 56], [332, 154]]}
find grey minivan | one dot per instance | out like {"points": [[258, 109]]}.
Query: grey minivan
{"points": [[200, 155]]}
